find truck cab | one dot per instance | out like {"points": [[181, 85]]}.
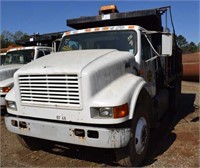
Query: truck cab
{"points": [[14, 59], [105, 88]]}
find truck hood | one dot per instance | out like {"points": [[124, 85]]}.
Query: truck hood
{"points": [[96, 71], [65, 62], [7, 71]]}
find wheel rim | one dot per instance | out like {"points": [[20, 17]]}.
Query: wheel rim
{"points": [[141, 135]]}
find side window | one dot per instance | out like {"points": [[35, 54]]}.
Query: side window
{"points": [[46, 52], [146, 49], [40, 54]]}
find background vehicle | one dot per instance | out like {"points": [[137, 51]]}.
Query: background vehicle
{"points": [[2, 58], [3, 52], [113, 79], [14, 59]]}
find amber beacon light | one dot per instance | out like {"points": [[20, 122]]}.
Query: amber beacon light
{"points": [[108, 9]]}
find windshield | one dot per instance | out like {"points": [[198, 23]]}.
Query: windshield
{"points": [[19, 57], [122, 40]]}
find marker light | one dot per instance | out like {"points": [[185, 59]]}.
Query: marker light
{"points": [[108, 9]]}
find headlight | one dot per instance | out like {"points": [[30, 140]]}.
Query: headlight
{"points": [[114, 112], [105, 112], [5, 89], [11, 105]]}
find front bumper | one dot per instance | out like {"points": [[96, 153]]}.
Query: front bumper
{"points": [[70, 133]]}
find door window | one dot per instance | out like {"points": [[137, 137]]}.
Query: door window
{"points": [[146, 49], [40, 54]]}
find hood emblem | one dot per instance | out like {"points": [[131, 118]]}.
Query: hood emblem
{"points": [[47, 67]]}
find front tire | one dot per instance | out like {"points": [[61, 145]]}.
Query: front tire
{"points": [[29, 142], [134, 154]]}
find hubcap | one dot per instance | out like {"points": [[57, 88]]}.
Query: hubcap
{"points": [[140, 135]]}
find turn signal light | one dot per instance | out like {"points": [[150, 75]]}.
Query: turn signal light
{"points": [[5, 89], [120, 111]]}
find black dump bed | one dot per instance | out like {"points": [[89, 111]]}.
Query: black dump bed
{"points": [[149, 19], [42, 39]]}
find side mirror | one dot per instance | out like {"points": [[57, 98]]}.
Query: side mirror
{"points": [[167, 44]]}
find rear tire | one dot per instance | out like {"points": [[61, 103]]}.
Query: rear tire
{"points": [[174, 97], [133, 155], [174, 102]]}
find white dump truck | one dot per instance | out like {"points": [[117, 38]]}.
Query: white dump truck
{"points": [[14, 59], [115, 76]]}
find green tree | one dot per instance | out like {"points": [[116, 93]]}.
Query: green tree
{"points": [[19, 35], [185, 46], [181, 40], [8, 38], [192, 47]]}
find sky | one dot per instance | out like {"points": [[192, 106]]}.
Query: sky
{"points": [[49, 16]]}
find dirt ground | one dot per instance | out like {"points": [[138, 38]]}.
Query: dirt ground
{"points": [[176, 146]]}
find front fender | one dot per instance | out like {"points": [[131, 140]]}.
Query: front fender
{"points": [[10, 96], [124, 89], [7, 82]]}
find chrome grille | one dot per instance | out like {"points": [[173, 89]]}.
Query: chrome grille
{"points": [[50, 89]]}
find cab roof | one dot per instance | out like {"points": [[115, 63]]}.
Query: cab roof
{"points": [[107, 28], [28, 48]]}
